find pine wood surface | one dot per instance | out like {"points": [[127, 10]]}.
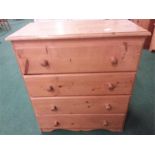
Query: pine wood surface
{"points": [[79, 74]]}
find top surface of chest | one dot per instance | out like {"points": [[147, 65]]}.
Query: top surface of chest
{"points": [[60, 29]]}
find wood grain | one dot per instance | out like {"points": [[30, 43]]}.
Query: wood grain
{"points": [[59, 29], [79, 84], [82, 122], [76, 57], [81, 105], [79, 73]]}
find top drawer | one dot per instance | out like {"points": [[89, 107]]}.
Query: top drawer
{"points": [[78, 56]]}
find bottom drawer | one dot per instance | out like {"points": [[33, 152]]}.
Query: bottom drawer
{"points": [[81, 122]]}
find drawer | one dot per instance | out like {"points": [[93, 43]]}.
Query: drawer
{"points": [[81, 105], [79, 56], [82, 122], [79, 84]]}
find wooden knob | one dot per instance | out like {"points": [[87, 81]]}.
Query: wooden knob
{"points": [[50, 89], [45, 63], [53, 108], [105, 123], [108, 106], [56, 123], [111, 86], [114, 61]]}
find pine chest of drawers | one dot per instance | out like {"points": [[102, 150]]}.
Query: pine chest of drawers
{"points": [[79, 74]]}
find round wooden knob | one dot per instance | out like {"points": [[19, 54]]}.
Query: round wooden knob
{"points": [[105, 123], [56, 123], [54, 108], [45, 63], [114, 61], [111, 86], [108, 106], [50, 89]]}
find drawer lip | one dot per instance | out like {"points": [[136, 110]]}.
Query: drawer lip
{"points": [[84, 115], [66, 73], [79, 74], [65, 97], [85, 72]]}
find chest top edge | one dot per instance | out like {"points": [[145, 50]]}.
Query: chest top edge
{"points": [[69, 29]]}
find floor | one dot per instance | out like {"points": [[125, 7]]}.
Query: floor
{"points": [[16, 113]]}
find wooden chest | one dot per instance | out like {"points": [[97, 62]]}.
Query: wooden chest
{"points": [[79, 73]]}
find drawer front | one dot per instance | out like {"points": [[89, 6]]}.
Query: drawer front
{"points": [[81, 122], [79, 84], [73, 57], [81, 105]]}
